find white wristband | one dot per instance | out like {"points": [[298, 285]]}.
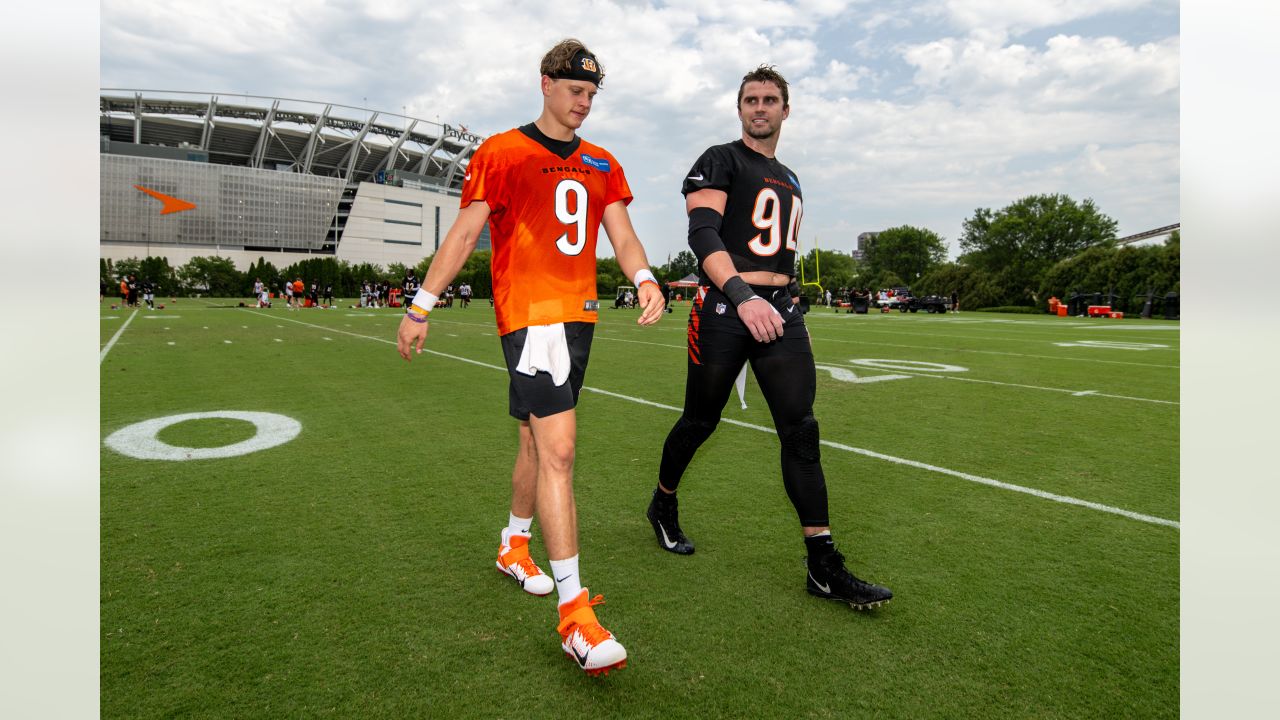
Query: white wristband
{"points": [[425, 300], [642, 275]]}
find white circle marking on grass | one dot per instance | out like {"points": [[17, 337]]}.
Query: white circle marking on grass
{"points": [[140, 439], [908, 365]]}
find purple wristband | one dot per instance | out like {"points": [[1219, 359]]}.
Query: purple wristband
{"points": [[414, 317]]}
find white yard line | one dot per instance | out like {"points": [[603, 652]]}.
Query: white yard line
{"points": [[994, 352], [1077, 393], [955, 349], [114, 338], [931, 468], [1065, 499], [981, 337], [1000, 324]]}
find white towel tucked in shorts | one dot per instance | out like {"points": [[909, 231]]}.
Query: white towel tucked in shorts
{"points": [[545, 349]]}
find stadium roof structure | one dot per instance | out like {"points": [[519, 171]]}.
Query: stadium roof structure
{"points": [[302, 136]]}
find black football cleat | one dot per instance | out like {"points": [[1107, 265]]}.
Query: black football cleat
{"points": [[829, 578], [664, 515]]}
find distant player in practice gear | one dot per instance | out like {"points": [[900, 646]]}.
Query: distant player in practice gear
{"points": [[745, 209], [544, 192]]}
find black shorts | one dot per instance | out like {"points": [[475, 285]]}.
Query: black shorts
{"points": [[538, 395], [717, 335]]}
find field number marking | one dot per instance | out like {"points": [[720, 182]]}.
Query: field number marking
{"points": [[139, 440], [847, 375], [908, 365], [1112, 345]]}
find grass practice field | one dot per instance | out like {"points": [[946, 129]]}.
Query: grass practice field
{"points": [[1013, 479]]}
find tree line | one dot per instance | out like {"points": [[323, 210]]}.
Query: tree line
{"points": [[1038, 247], [217, 276]]}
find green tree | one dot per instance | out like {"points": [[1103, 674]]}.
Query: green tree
{"points": [[830, 268], [321, 271], [265, 271], [353, 276], [684, 263], [609, 276], [1018, 244], [475, 272], [906, 251], [1127, 272], [975, 288], [213, 276], [158, 271], [125, 267]]}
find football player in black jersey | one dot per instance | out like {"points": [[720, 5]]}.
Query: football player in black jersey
{"points": [[744, 211], [409, 287]]}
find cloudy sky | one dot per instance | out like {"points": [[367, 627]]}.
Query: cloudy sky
{"points": [[910, 112]]}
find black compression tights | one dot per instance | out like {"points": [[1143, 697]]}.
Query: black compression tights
{"points": [[788, 382]]}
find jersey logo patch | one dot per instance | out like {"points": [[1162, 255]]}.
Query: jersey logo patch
{"points": [[598, 163], [720, 308], [591, 306]]}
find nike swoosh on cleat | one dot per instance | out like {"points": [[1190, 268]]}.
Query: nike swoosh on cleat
{"points": [[823, 588], [582, 659], [665, 539]]}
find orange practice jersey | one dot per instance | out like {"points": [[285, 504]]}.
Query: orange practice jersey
{"points": [[545, 213]]}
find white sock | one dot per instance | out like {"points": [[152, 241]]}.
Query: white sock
{"points": [[515, 526], [565, 573]]}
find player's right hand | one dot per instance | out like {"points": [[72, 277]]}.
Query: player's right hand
{"points": [[410, 334], [762, 319]]}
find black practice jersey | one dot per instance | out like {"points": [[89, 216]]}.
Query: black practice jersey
{"points": [[763, 211]]}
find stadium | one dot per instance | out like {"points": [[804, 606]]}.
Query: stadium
{"points": [[274, 178]]}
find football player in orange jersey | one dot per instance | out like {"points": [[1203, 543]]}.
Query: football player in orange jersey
{"points": [[544, 192]]}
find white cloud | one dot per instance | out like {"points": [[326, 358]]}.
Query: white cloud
{"points": [[838, 80], [993, 18], [766, 13], [1070, 71], [973, 121]]}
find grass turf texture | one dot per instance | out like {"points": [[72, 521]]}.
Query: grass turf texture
{"points": [[349, 572]]}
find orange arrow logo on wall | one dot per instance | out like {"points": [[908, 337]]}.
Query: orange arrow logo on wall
{"points": [[171, 204]]}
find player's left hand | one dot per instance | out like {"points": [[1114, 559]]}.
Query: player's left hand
{"points": [[408, 335], [651, 303]]}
